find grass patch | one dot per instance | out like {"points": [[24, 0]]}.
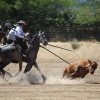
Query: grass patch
{"points": [[75, 45]]}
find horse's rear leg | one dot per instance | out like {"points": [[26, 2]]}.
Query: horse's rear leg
{"points": [[2, 65], [20, 66], [5, 72]]}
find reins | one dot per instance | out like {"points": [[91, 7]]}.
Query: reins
{"points": [[55, 54], [61, 48]]}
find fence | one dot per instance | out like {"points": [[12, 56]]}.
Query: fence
{"points": [[68, 33]]}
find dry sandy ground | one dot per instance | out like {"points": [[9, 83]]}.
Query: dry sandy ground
{"points": [[30, 86]]}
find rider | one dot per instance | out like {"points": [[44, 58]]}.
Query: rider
{"points": [[20, 36], [11, 34], [8, 24]]}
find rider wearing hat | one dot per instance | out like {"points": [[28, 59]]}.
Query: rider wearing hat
{"points": [[20, 35], [8, 24]]}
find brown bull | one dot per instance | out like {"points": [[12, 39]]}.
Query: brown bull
{"points": [[80, 69]]}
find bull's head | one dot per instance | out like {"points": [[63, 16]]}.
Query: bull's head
{"points": [[93, 67]]}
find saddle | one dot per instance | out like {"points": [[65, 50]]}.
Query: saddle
{"points": [[19, 48]]}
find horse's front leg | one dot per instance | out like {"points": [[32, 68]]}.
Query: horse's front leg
{"points": [[36, 66], [2, 65], [28, 67]]}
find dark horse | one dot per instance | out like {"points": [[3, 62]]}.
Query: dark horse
{"points": [[3, 34], [11, 52]]}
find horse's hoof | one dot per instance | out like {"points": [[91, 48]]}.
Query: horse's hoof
{"points": [[44, 79]]}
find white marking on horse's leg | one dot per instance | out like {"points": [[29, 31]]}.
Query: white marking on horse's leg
{"points": [[16, 73], [8, 73], [3, 75], [36, 66]]}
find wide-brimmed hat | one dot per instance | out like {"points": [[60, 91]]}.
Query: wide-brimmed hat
{"points": [[21, 21]]}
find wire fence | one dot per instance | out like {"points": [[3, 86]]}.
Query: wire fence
{"points": [[69, 33]]}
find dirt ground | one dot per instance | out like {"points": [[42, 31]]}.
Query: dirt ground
{"points": [[30, 86]]}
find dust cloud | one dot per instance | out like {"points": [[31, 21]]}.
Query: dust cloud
{"points": [[58, 80], [35, 78], [23, 79]]}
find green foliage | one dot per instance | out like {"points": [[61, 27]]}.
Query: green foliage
{"points": [[88, 12], [18, 5], [40, 13], [36, 12]]}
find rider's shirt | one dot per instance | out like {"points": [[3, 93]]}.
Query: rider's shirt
{"points": [[20, 32], [11, 34]]}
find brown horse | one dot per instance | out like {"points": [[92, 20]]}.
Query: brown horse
{"points": [[3, 34]]}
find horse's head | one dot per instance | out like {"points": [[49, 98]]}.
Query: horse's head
{"points": [[43, 40]]}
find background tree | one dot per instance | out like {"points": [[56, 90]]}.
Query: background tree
{"points": [[36, 12], [88, 13], [51, 13]]}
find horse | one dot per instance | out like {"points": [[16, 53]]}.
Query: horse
{"points": [[28, 36], [11, 52], [3, 34]]}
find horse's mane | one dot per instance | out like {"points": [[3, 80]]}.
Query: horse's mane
{"points": [[33, 37]]}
